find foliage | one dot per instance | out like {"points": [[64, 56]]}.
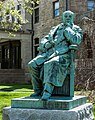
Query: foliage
{"points": [[8, 8]]}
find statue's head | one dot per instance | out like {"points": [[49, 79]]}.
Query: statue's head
{"points": [[68, 17]]}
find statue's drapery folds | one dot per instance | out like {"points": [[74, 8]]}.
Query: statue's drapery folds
{"points": [[51, 66]]}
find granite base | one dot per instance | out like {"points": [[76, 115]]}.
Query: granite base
{"points": [[82, 112]]}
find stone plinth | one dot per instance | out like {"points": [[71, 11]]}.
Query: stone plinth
{"points": [[83, 112], [55, 103]]}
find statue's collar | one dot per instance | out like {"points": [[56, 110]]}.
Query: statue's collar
{"points": [[65, 24]]}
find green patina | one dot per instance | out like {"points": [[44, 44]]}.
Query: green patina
{"points": [[56, 58], [54, 103]]}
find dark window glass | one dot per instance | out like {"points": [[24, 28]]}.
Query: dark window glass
{"points": [[19, 7], [11, 55], [7, 16], [36, 44], [19, 11], [13, 19], [36, 41], [36, 15], [0, 18]]}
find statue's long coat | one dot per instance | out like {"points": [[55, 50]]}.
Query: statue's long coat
{"points": [[58, 61], [53, 63]]}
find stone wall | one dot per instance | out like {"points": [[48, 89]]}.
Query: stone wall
{"points": [[85, 63], [46, 18], [85, 56]]}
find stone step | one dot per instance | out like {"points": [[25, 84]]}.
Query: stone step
{"points": [[11, 71], [11, 76]]}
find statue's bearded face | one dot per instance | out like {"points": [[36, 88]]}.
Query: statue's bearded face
{"points": [[68, 17]]}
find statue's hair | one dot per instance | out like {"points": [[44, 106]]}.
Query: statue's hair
{"points": [[68, 11]]}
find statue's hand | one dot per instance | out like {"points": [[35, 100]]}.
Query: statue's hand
{"points": [[68, 25], [41, 49], [49, 44], [68, 32]]}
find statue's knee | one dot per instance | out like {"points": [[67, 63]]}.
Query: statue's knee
{"points": [[32, 64], [50, 62]]}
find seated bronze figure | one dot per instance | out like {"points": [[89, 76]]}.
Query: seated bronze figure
{"points": [[49, 69]]}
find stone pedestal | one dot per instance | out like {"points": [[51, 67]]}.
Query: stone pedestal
{"points": [[54, 103], [83, 112], [56, 108]]}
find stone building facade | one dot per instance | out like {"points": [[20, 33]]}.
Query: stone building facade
{"points": [[85, 56], [15, 52], [47, 17]]}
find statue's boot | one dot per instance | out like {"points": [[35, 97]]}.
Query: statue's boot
{"points": [[48, 89], [36, 93]]}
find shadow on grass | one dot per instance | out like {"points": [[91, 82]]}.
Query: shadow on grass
{"points": [[10, 88]]}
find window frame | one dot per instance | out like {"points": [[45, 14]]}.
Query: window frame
{"points": [[35, 45], [36, 16], [55, 9], [90, 7]]}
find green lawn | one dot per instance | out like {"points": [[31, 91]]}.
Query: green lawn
{"points": [[21, 88], [7, 92], [5, 99]]}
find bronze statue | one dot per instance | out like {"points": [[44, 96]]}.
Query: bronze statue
{"points": [[50, 67]]}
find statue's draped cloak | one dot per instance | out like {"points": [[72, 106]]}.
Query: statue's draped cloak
{"points": [[56, 69], [55, 62]]}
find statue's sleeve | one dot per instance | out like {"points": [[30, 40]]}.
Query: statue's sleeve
{"points": [[74, 36], [42, 43], [47, 42], [50, 40]]}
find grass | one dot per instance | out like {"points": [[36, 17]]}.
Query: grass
{"points": [[94, 110], [7, 92], [11, 87], [5, 99]]}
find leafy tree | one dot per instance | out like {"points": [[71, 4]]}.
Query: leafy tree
{"points": [[7, 8]]}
